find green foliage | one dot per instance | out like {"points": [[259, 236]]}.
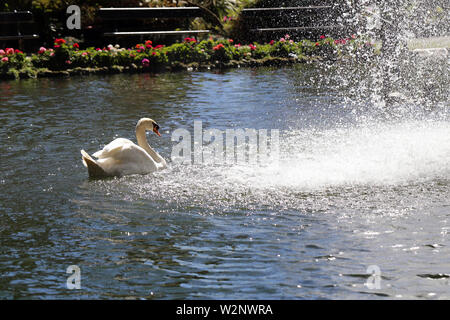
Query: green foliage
{"points": [[282, 49], [63, 56], [186, 52]]}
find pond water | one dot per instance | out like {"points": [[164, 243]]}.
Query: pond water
{"points": [[360, 185]]}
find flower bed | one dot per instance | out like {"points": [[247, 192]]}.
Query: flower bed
{"points": [[66, 59]]}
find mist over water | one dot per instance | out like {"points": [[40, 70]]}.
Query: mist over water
{"points": [[337, 141]]}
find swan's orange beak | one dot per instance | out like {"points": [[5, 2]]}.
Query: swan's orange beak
{"points": [[155, 130]]}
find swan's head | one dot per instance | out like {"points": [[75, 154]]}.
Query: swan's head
{"points": [[148, 124]]}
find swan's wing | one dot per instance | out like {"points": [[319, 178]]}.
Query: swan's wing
{"points": [[113, 148], [94, 169], [122, 158]]}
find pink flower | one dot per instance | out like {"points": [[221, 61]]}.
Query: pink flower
{"points": [[230, 40], [52, 54], [145, 63], [42, 50], [340, 41], [9, 51], [287, 36], [5, 59], [282, 40], [2, 52], [322, 37], [237, 45], [225, 19], [98, 49], [153, 53], [68, 62], [291, 41], [84, 53], [56, 46]]}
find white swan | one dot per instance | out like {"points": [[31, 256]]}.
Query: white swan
{"points": [[123, 157]]}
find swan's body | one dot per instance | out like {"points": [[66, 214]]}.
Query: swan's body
{"points": [[123, 157]]}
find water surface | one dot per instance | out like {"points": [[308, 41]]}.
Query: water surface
{"points": [[359, 183]]}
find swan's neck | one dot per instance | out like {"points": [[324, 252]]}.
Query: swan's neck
{"points": [[143, 143]]}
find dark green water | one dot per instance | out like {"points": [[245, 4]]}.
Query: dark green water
{"points": [[358, 184]]}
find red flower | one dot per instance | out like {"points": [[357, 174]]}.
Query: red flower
{"points": [[148, 42], [153, 53], [76, 45], [159, 46], [56, 46], [252, 47], [190, 40], [317, 44], [148, 46], [218, 47], [17, 51], [230, 40], [322, 37], [9, 51], [272, 42], [60, 41]]}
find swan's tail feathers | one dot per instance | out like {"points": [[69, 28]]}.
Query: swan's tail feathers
{"points": [[94, 170]]}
